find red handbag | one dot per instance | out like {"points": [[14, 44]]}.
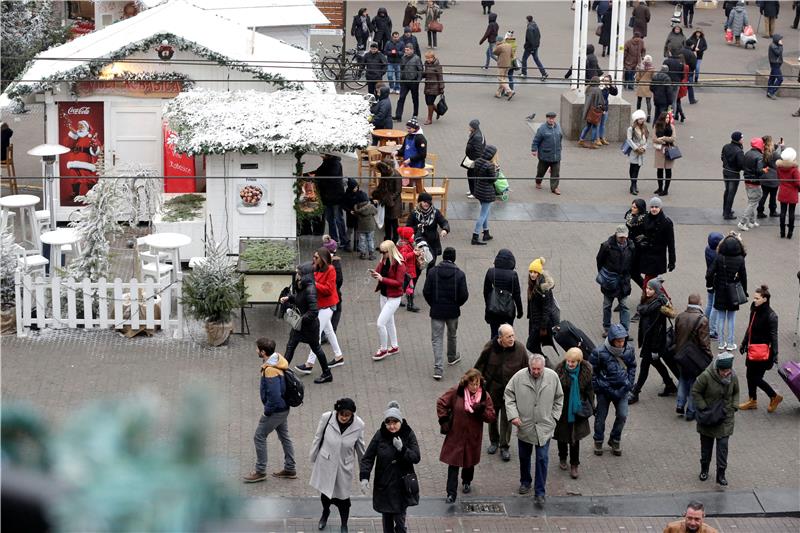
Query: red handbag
{"points": [[756, 352]]}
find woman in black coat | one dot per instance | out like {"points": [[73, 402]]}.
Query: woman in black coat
{"points": [[634, 220], [393, 452], [592, 65], [362, 28], [605, 33], [502, 277], [304, 299], [474, 149], [485, 175], [762, 329], [653, 314], [543, 313], [383, 27], [727, 268]]}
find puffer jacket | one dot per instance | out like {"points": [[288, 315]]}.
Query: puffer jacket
{"points": [[503, 276], [475, 145], [485, 173], [661, 87], [304, 297], [434, 80], [610, 376], [382, 110], [543, 313], [366, 212], [445, 290], [789, 178], [708, 389], [753, 166], [728, 267], [618, 260]]}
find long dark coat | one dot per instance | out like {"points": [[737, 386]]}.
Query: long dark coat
{"points": [[388, 193], [728, 266], [653, 326], [764, 331], [462, 445], [657, 251], [580, 428], [389, 491], [304, 298], [641, 16]]}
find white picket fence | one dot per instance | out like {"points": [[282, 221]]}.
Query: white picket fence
{"points": [[44, 296]]}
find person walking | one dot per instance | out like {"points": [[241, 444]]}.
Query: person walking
{"points": [[653, 314], [713, 240], [789, 189], [336, 263], [276, 414], [543, 312], [410, 75], [688, 12], [753, 169], [796, 22], [737, 20], [502, 278], [487, 6], [533, 38], [389, 273], [383, 28], [575, 375], [375, 66], [429, 225], [769, 181], [605, 32], [499, 360], [392, 452], [546, 147], [716, 392], [675, 41], [503, 54], [362, 28], [690, 63], [387, 193], [634, 221], [633, 54], [432, 14], [732, 165], [475, 145], [434, 83], [446, 292], [674, 63], [662, 89], [393, 50], [338, 440], [615, 262], [409, 38], [636, 139], [304, 299], [592, 112], [692, 521], [405, 245], [643, 79], [760, 345], [414, 149], [330, 186], [691, 327], [462, 411], [485, 176], [770, 10], [490, 37], [664, 138], [698, 45], [613, 375], [641, 17], [656, 253], [534, 401]]}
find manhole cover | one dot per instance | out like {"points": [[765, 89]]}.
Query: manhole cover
{"points": [[598, 509], [483, 507]]}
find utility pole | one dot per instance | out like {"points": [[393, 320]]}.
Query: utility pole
{"points": [[343, 59]]}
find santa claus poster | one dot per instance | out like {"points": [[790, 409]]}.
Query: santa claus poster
{"points": [[80, 128]]}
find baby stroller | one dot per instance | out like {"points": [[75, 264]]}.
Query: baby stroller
{"points": [[748, 37]]}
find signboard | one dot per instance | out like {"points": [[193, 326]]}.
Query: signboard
{"points": [[334, 12], [252, 196], [179, 169], [80, 127], [134, 88]]}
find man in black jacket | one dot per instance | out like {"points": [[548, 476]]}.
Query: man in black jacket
{"points": [[690, 58], [674, 63], [614, 265], [662, 89], [375, 65], [775, 56], [382, 112], [330, 186], [732, 164], [656, 253], [532, 39], [445, 291], [410, 76]]}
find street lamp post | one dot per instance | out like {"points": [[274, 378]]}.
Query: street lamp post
{"points": [[48, 153]]}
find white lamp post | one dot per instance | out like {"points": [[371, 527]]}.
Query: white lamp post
{"points": [[48, 153]]}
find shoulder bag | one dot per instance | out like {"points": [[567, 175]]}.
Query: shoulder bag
{"points": [[672, 152], [467, 163], [324, 430], [411, 484], [755, 352], [713, 415], [594, 114], [435, 26], [734, 288], [294, 318], [501, 302], [626, 148]]}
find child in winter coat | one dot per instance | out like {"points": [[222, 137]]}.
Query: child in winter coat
{"points": [[365, 212], [405, 245], [714, 238]]}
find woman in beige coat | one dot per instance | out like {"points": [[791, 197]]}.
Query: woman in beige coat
{"points": [[663, 138], [644, 75], [339, 438], [504, 53]]}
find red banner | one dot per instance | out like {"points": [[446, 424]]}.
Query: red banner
{"points": [[80, 127], [179, 170]]}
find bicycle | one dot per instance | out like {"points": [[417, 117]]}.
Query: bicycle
{"points": [[349, 70]]}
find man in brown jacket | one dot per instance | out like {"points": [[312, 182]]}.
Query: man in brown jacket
{"points": [[500, 359], [692, 521], [632, 57], [504, 54], [691, 326]]}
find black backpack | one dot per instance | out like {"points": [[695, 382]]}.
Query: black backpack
{"points": [[294, 390]]}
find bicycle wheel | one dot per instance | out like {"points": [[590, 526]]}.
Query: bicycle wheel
{"points": [[330, 68], [355, 77]]}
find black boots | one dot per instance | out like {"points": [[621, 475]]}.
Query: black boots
{"points": [[721, 477], [476, 240], [410, 306], [703, 471], [486, 236], [326, 377], [323, 521], [669, 390], [634, 189]]}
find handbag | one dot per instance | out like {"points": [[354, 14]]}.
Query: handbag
{"points": [[599, 30], [756, 352], [467, 163], [501, 302], [672, 153], [416, 27], [735, 290], [411, 484], [294, 318], [626, 148], [586, 410], [631, 22], [441, 106], [436, 26], [608, 281], [380, 216], [713, 415], [322, 439], [594, 114]]}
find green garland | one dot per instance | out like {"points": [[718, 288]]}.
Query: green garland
{"points": [[297, 187]]}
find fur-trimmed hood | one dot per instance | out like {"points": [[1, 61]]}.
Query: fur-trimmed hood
{"points": [[546, 282]]}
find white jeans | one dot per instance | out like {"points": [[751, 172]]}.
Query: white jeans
{"points": [[326, 326], [386, 322]]}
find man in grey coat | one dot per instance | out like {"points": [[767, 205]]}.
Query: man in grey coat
{"points": [[546, 145], [534, 399]]}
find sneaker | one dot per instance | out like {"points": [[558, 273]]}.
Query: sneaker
{"points": [[732, 347], [616, 449], [304, 369], [336, 362], [455, 361], [379, 355], [326, 377], [285, 474], [761, 215], [754, 224], [524, 489], [545, 76], [450, 499], [721, 347], [437, 375], [254, 477], [470, 196], [393, 350]]}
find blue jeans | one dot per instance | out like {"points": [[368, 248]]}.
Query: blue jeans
{"points": [[483, 218], [621, 408], [629, 76], [586, 130], [690, 86], [511, 78], [336, 227], [685, 396], [366, 242], [542, 458], [393, 76], [775, 79], [602, 132], [624, 312], [489, 56], [711, 314], [697, 71], [535, 54], [726, 318]]}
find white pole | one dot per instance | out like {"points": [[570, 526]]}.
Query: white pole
{"points": [[581, 25], [576, 47], [614, 39], [623, 22]]}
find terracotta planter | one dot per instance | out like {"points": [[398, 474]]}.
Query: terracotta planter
{"points": [[218, 332], [8, 321]]}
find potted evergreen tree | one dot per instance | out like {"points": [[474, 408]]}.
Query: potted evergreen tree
{"points": [[212, 291]]}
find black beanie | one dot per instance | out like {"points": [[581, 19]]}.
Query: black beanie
{"points": [[449, 254]]}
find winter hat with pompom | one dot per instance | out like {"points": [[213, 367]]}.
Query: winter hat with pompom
{"points": [[537, 265], [393, 411]]}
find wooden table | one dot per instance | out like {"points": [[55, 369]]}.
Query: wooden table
{"points": [[26, 204], [389, 135], [415, 176]]}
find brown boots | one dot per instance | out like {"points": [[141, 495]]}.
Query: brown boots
{"points": [[748, 405], [774, 402]]}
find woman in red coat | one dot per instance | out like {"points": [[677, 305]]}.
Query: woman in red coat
{"points": [[389, 273], [462, 410], [683, 90], [788, 189]]}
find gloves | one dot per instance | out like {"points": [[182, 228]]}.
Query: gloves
{"points": [[364, 486], [742, 349], [479, 409], [671, 267], [398, 444]]}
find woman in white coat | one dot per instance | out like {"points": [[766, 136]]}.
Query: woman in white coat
{"points": [[636, 145], [339, 437]]}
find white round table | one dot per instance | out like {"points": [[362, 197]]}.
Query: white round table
{"points": [[169, 242], [57, 239], [25, 203]]}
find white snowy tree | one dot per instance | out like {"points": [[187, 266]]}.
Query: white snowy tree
{"points": [[8, 265]]}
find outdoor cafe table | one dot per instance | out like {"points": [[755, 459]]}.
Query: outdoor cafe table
{"points": [[26, 204], [415, 176], [385, 136], [169, 242], [57, 239]]}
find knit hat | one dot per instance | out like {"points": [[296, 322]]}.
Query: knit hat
{"points": [[639, 114], [617, 331], [345, 404], [406, 233], [789, 154], [537, 265], [757, 143], [622, 231], [509, 34], [393, 411], [656, 285], [413, 123], [724, 360], [330, 245], [655, 201], [449, 254], [425, 197], [474, 123], [736, 136]]}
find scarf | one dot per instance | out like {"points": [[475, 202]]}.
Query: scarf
{"points": [[471, 399], [364, 26], [425, 218], [613, 349], [574, 393]]}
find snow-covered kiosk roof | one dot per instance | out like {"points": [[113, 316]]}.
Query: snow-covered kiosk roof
{"points": [[266, 13], [186, 27], [216, 122]]}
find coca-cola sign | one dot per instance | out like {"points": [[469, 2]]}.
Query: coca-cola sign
{"points": [[84, 110]]}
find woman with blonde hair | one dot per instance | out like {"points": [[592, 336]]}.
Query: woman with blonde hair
{"points": [[389, 273], [575, 375]]}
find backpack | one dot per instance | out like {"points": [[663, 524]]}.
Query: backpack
{"points": [[294, 390]]}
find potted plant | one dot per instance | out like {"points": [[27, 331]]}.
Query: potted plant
{"points": [[8, 266], [211, 292]]}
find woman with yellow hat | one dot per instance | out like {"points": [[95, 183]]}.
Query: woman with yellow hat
{"points": [[543, 313]]}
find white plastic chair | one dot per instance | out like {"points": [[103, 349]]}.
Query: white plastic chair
{"points": [[153, 268], [30, 261]]}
